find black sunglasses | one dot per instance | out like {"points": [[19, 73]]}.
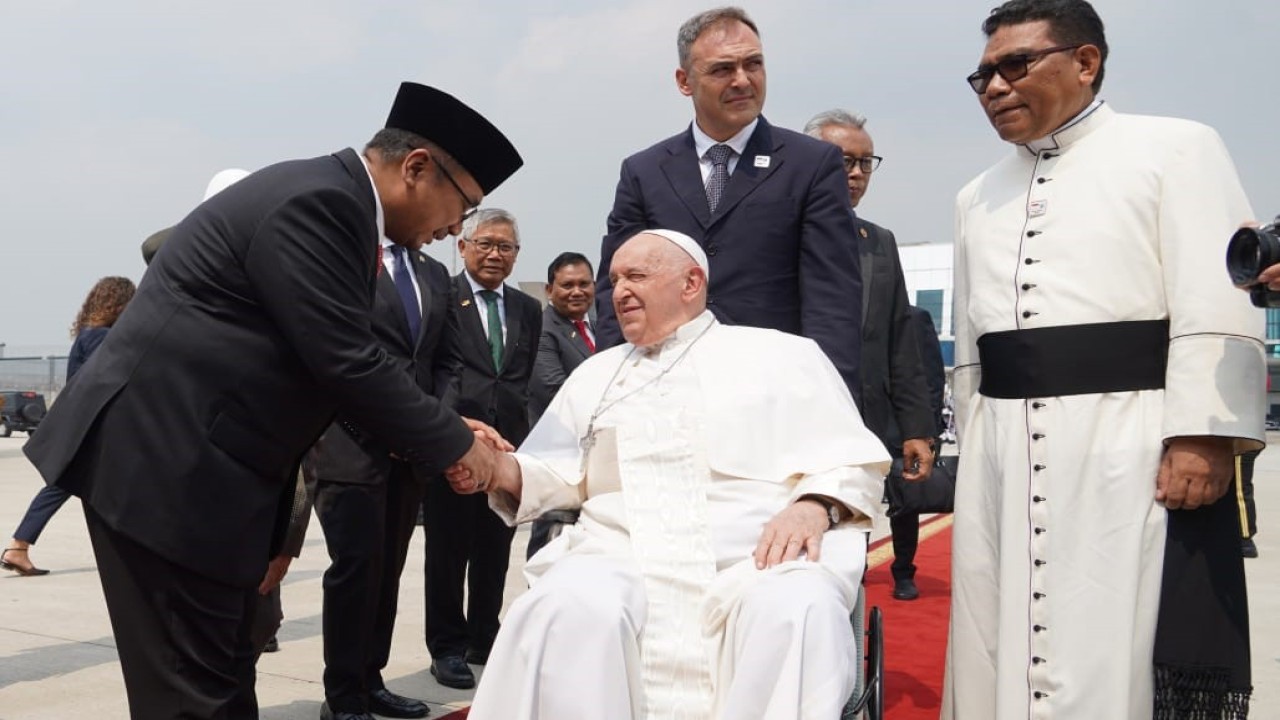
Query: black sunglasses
{"points": [[1012, 68]]}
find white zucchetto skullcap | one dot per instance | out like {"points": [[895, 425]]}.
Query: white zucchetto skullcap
{"points": [[685, 243]]}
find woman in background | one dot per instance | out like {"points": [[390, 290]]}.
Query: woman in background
{"points": [[99, 312]]}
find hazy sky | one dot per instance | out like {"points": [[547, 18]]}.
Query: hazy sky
{"points": [[113, 116]]}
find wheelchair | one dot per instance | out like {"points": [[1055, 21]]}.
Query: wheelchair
{"points": [[867, 701]]}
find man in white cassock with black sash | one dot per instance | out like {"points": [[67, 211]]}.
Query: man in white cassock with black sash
{"points": [[726, 486], [1106, 373]]}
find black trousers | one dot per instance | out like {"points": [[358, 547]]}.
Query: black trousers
{"points": [[183, 639], [367, 529], [466, 542], [906, 536]]}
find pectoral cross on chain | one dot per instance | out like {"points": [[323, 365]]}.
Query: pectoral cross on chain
{"points": [[585, 444]]}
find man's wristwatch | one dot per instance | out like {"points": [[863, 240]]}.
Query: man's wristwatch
{"points": [[832, 508]]}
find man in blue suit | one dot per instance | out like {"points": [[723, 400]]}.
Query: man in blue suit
{"points": [[768, 206]]}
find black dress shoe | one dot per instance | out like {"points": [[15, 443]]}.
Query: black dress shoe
{"points": [[452, 671], [1248, 548], [475, 657], [328, 714], [905, 589], [388, 704], [273, 645]]}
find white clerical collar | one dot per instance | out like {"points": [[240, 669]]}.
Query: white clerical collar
{"points": [[1072, 130], [679, 339], [702, 142], [477, 288], [377, 201]]}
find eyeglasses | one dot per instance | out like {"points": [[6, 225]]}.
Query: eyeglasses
{"points": [[1012, 68], [472, 206], [868, 163], [486, 246]]}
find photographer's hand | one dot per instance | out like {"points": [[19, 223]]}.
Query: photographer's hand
{"points": [[1270, 277]]}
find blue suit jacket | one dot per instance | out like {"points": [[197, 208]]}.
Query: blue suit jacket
{"points": [[778, 244]]}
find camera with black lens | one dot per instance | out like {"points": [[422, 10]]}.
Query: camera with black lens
{"points": [[1251, 251]]}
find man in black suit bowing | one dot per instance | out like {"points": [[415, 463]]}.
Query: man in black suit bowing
{"points": [[767, 205], [895, 394], [248, 333], [568, 338], [367, 499], [497, 341]]}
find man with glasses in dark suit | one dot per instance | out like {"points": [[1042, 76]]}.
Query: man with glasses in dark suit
{"points": [[895, 396], [248, 334], [496, 343]]}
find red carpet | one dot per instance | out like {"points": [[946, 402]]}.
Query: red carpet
{"points": [[915, 633]]}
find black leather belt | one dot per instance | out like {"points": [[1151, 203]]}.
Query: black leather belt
{"points": [[1074, 359]]}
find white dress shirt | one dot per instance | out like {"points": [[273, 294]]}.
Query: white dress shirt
{"points": [[389, 266], [702, 142], [482, 307]]}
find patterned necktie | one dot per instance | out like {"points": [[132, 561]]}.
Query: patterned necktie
{"points": [[719, 177], [582, 330], [404, 286], [495, 326]]}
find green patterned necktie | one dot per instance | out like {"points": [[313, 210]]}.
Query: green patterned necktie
{"points": [[495, 327]]}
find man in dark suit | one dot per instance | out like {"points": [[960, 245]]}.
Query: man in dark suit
{"points": [[567, 339], [895, 400], [249, 331], [367, 499], [766, 204], [496, 343]]}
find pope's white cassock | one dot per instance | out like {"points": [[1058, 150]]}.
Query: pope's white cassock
{"points": [[1058, 541], [651, 606]]}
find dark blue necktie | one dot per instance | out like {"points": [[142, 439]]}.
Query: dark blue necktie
{"points": [[404, 286], [719, 178]]}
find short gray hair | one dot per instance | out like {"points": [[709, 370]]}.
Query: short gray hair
{"points": [[489, 215], [698, 24], [837, 116]]}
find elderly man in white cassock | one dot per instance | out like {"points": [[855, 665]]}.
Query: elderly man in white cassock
{"points": [[726, 485]]}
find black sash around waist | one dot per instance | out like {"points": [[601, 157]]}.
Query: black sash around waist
{"points": [[1074, 359]]}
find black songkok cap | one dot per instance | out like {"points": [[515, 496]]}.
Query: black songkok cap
{"points": [[462, 132]]}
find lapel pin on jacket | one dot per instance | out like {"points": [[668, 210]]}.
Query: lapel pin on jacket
{"points": [[862, 232], [762, 161]]}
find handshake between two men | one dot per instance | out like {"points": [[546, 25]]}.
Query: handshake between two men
{"points": [[480, 468]]}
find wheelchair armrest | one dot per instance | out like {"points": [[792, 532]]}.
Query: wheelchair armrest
{"points": [[563, 517]]}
